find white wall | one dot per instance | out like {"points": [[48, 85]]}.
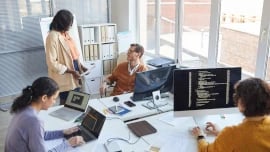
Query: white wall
{"points": [[123, 13]]}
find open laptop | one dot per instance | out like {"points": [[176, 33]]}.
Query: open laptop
{"points": [[91, 125], [75, 105]]}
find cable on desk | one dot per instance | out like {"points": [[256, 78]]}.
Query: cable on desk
{"points": [[111, 118], [155, 106], [123, 139]]}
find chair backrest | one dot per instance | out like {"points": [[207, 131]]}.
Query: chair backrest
{"points": [[122, 57]]}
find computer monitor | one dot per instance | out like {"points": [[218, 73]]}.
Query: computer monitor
{"points": [[206, 91], [152, 80]]}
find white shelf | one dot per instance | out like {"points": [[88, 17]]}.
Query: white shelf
{"points": [[99, 51]]}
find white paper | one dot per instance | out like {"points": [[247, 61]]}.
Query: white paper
{"points": [[49, 144]]}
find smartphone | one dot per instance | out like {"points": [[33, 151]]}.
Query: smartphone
{"points": [[130, 104]]}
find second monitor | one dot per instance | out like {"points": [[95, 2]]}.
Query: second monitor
{"points": [[148, 81]]}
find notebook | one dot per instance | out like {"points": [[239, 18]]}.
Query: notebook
{"points": [[141, 128], [91, 125], [75, 105], [160, 62]]}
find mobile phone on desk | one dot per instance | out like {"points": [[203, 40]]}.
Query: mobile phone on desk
{"points": [[130, 104]]}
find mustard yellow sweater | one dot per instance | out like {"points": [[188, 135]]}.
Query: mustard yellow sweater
{"points": [[248, 136]]}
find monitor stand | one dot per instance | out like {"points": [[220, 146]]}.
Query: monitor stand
{"points": [[156, 102]]}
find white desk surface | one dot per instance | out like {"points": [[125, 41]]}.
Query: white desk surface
{"points": [[136, 112], [173, 133], [113, 128]]}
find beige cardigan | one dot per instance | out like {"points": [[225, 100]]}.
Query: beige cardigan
{"points": [[58, 58]]}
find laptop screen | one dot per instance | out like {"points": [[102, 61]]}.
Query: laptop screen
{"points": [[93, 121], [77, 100]]}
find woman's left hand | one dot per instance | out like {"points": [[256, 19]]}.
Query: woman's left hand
{"points": [[70, 130], [196, 131]]}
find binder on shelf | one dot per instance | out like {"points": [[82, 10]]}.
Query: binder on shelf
{"points": [[112, 50], [111, 33], [105, 51], [112, 65], [92, 35], [91, 52], [86, 53], [87, 35], [103, 33], [96, 53]]}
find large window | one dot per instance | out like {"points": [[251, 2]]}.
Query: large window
{"points": [[239, 34], [167, 28], [148, 26], [195, 32], [210, 33], [157, 27]]}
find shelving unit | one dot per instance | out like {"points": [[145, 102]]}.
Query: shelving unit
{"points": [[99, 51]]}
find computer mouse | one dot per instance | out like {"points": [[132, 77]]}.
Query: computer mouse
{"points": [[115, 99]]}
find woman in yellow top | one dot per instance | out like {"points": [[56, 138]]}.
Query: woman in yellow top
{"points": [[62, 56], [252, 97]]}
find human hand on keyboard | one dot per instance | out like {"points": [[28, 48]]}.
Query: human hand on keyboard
{"points": [[76, 141]]}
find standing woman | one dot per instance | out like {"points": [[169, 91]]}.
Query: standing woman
{"points": [[25, 131], [62, 56]]}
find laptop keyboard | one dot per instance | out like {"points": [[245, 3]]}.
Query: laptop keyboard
{"points": [[86, 135], [66, 113]]}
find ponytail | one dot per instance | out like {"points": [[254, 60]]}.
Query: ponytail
{"points": [[41, 86]]}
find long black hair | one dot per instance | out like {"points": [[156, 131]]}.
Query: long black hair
{"points": [[62, 21], [41, 86]]}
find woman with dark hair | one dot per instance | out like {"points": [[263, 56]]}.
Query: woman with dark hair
{"points": [[62, 55], [252, 97], [124, 74], [26, 132]]}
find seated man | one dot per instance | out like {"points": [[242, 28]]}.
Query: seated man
{"points": [[124, 74]]}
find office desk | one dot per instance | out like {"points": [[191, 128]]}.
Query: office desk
{"points": [[139, 110], [174, 134], [112, 129]]}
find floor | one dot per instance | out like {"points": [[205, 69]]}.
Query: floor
{"points": [[5, 118]]}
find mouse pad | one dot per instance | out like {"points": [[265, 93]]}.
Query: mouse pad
{"points": [[141, 128]]}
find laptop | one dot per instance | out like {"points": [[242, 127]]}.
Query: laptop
{"points": [[160, 62], [91, 125], [75, 106]]}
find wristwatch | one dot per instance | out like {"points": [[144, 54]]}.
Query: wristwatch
{"points": [[200, 137]]}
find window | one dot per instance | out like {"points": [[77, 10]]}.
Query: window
{"points": [[209, 33], [195, 32], [239, 34]]}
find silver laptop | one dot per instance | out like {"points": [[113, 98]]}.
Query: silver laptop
{"points": [[75, 105]]}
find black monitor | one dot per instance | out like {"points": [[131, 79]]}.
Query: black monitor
{"points": [[205, 91], [152, 80]]}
